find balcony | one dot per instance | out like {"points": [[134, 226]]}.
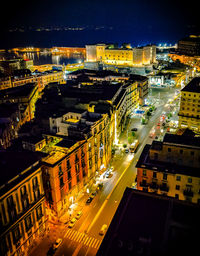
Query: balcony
{"points": [[188, 192], [164, 187], [153, 186], [144, 184]]}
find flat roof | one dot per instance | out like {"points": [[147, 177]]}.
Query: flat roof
{"points": [[150, 224], [12, 163], [192, 86], [19, 91]]}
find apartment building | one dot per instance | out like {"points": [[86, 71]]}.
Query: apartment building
{"points": [[171, 167], [22, 202], [189, 112]]}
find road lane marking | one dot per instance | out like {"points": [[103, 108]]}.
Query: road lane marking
{"points": [[94, 241], [90, 238], [85, 240], [95, 244], [66, 233], [77, 235], [98, 244], [73, 236], [91, 242], [80, 237]]}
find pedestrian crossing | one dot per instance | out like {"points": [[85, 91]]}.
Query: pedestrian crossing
{"points": [[80, 237]]}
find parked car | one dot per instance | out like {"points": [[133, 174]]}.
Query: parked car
{"points": [[57, 243], [78, 215], [103, 229], [134, 129], [72, 223], [93, 194], [109, 175], [89, 200], [126, 150], [100, 186]]}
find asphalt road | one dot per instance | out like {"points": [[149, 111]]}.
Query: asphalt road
{"points": [[84, 239]]}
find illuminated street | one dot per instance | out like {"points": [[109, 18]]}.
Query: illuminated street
{"points": [[84, 238]]}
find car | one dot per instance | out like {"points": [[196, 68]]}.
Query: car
{"points": [[93, 194], [103, 229], [109, 174], [99, 186], [126, 150], [134, 185], [72, 222], [134, 129], [89, 200], [57, 243], [78, 215]]}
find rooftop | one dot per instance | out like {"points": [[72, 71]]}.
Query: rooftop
{"points": [[149, 224], [13, 164], [192, 86], [19, 91]]}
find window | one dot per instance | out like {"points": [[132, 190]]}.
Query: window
{"points": [[164, 176], [155, 175], [177, 196], [178, 178], [169, 149], [39, 212], [28, 222], [60, 172], [144, 173], [181, 151], [177, 187], [61, 182], [189, 180]]}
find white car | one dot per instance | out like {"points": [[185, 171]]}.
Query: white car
{"points": [[103, 229], [72, 223], [57, 243]]}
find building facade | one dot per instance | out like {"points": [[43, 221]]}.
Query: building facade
{"points": [[22, 204], [171, 168], [189, 112], [113, 55]]}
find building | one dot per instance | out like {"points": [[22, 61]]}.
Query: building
{"points": [[64, 174], [25, 96], [189, 113], [149, 224], [10, 122], [41, 78], [171, 167], [113, 55], [189, 46], [22, 202], [9, 66]]}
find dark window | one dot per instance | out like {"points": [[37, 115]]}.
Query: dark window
{"points": [[189, 180], [70, 185], [164, 176], [39, 212], [28, 222], [154, 174], [61, 182], [169, 150], [60, 172], [144, 173], [181, 151], [177, 187], [178, 178]]}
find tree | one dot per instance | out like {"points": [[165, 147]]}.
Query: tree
{"points": [[124, 145]]}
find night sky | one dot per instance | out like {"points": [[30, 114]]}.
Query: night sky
{"points": [[154, 18]]}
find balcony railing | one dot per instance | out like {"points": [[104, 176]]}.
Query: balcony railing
{"points": [[188, 192], [164, 187], [144, 184], [154, 185]]}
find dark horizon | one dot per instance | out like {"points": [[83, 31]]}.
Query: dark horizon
{"points": [[135, 22]]}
